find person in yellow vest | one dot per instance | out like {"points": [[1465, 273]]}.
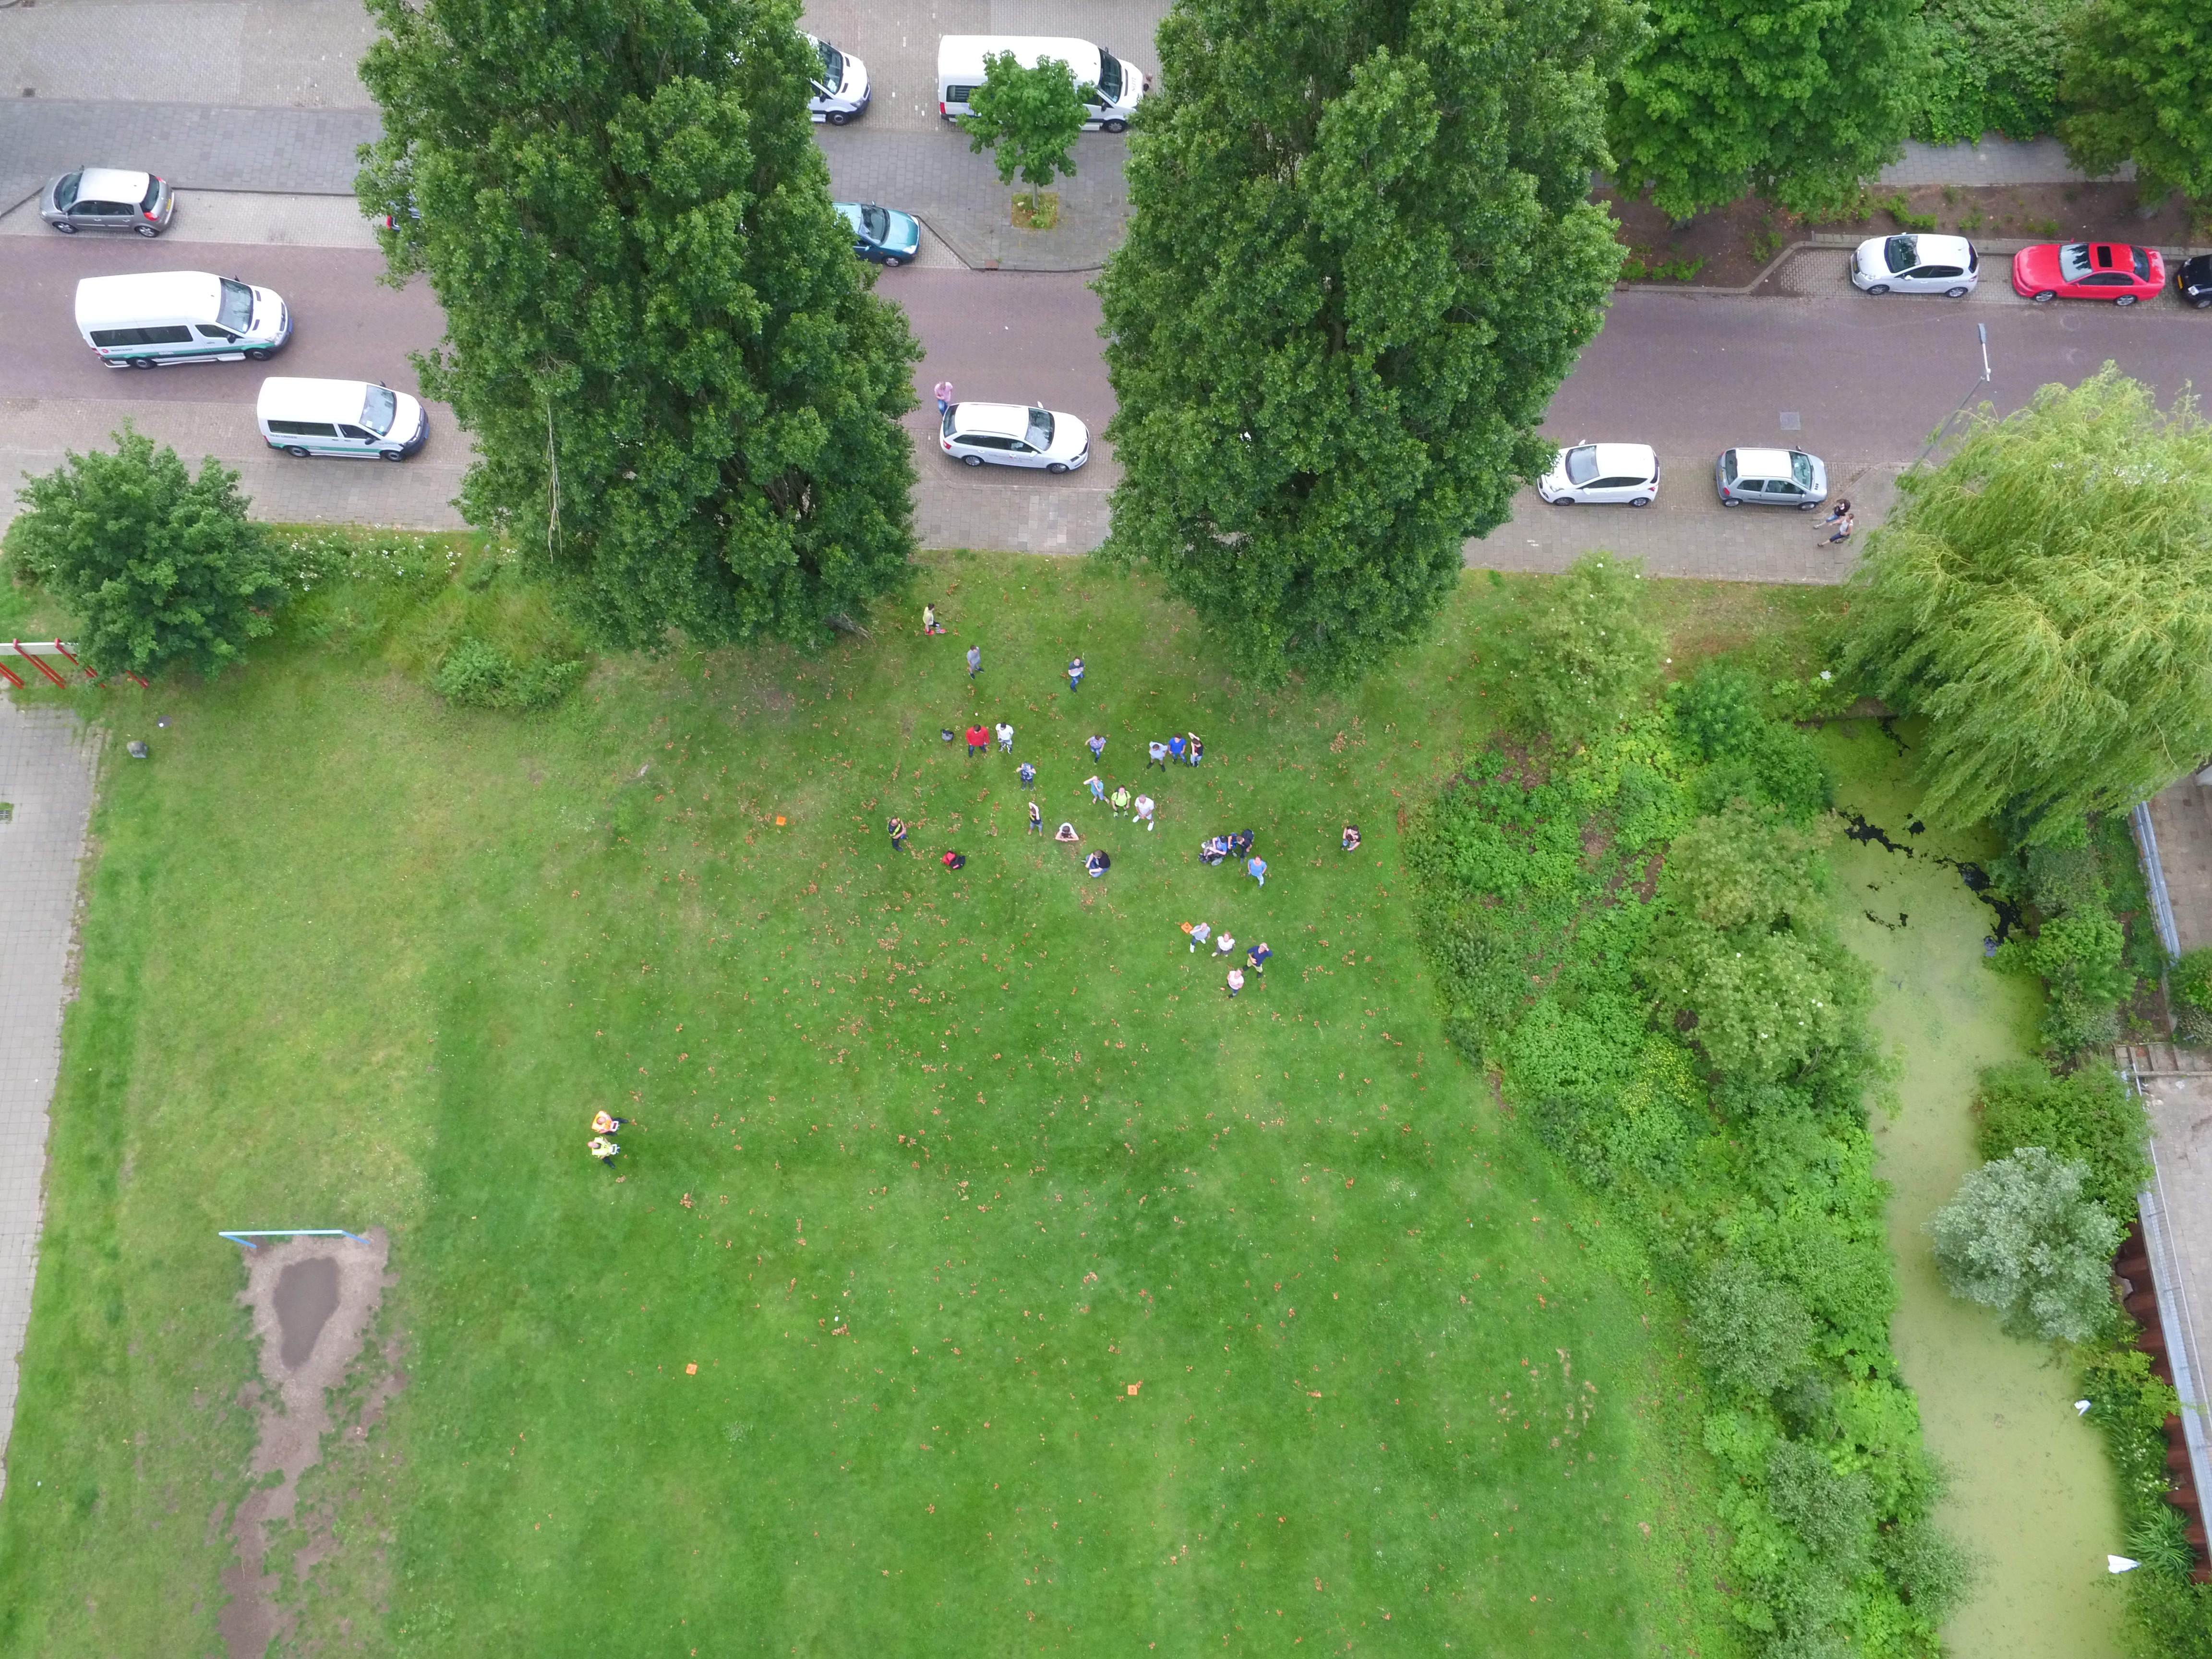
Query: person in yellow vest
{"points": [[603, 1125], [603, 1149]]}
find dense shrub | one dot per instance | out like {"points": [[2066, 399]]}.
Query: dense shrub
{"points": [[477, 675], [1581, 658], [2021, 1236], [2191, 982], [2088, 1116], [1756, 1335], [1994, 68], [1756, 761]]}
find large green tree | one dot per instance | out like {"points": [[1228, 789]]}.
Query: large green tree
{"points": [[1361, 259], [2137, 77], [681, 385], [2044, 597], [159, 566], [1029, 119], [1799, 100]]}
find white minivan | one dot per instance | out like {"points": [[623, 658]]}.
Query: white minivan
{"points": [[156, 317], [1112, 86], [360, 419]]}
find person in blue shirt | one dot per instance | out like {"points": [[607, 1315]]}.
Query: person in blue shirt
{"points": [[1026, 773]]}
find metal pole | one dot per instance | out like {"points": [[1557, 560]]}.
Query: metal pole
{"points": [[1982, 330]]}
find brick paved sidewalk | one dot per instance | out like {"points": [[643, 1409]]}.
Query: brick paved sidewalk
{"points": [[1995, 161], [47, 761]]}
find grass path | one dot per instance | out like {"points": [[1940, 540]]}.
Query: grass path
{"points": [[1041, 1298], [2031, 1489]]}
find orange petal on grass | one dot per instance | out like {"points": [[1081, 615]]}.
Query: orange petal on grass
{"points": [[691, 1371]]}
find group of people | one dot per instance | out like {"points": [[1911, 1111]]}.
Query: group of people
{"points": [[1840, 516], [1225, 945], [599, 1145], [978, 743], [1186, 748]]}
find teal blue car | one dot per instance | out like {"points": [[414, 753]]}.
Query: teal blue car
{"points": [[881, 233]]}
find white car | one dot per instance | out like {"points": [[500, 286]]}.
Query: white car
{"points": [[1602, 472], [1917, 264], [840, 93], [1007, 435]]}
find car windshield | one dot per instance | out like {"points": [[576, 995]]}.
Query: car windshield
{"points": [[1901, 253], [1729, 466], [379, 409], [875, 222], [152, 195], [1110, 77], [2142, 264], [1582, 464], [2074, 261], [1801, 468], [832, 65], [1040, 428], [235, 310], [65, 191]]}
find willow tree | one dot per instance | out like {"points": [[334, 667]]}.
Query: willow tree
{"points": [[682, 389], [1362, 256], [2046, 598]]}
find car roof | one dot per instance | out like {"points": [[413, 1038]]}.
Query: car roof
{"points": [[1000, 420], [285, 399], [1763, 463], [147, 296], [111, 184], [1616, 459], [1943, 250]]}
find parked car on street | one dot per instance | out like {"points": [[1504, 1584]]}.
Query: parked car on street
{"points": [[840, 93], [1113, 86], [1770, 477], [2193, 282], [1007, 435], [1915, 263], [881, 233], [108, 199], [358, 420], [1602, 473], [2088, 271]]}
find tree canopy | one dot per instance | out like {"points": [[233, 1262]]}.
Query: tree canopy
{"points": [[2021, 1236], [2044, 597], [2138, 76], [1030, 118], [159, 566], [1800, 102], [685, 395], [1362, 257]]}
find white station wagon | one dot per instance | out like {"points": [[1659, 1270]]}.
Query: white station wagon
{"points": [[1602, 472], [1007, 435]]}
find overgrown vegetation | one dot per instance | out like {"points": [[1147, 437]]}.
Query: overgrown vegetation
{"points": [[2085, 928], [1635, 935], [1993, 68]]}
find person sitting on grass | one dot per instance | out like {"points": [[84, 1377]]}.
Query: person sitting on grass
{"points": [[929, 623], [603, 1149], [1351, 838], [897, 830], [1097, 864], [954, 860], [944, 733], [1214, 849], [1066, 832]]}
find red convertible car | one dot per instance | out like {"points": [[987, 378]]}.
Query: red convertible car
{"points": [[2088, 271]]}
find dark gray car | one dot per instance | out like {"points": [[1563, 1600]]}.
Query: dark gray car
{"points": [[108, 199]]}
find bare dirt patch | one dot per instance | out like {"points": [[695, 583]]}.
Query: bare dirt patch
{"points": [[1730, 246], [314, 1301]]}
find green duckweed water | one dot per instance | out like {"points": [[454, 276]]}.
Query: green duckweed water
{"points": [[2032, 1494]]}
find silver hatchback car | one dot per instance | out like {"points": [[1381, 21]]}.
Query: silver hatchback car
{"points": [[108, 199], [1770, 477]]}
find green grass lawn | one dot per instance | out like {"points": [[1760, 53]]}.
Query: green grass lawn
{"points": [[1043, 1298]]}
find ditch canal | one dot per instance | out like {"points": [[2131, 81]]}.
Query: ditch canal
{"points": [[2031, 1492]]}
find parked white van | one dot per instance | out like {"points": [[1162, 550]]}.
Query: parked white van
{"points": [[1112, 85], [180, 316], [357, 418]]}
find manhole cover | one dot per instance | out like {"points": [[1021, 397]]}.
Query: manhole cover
{"points": [[1791, 421]]}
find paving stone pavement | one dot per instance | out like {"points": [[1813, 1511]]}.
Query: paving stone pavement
{"points": [[47, 763], [1995, 161]]}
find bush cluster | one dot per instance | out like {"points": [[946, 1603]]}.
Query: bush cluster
{"points": [[2087, 931], [1636, 936], [1993, 67]]}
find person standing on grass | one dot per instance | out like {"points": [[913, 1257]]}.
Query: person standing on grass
{"points": [[1097, 786], [1026, 773], [978, 741], [1006, 739], [974, 660], [1036, 819], [1197, 749], [1074, 674], [1096, 745], [1157, 755], [601, 1148], [954, 860], [602, 1124], [1175, 748], [1145, 813], [1224, 943], [929, 623], [897, 830], [1199, 931], [944, 390], [1257, 869], [1256, 958], [1121, 799], [1236, 980]]}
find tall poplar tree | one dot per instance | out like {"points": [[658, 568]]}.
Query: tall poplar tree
{"points": [[682, 388], [2137, 76], [1361, 259], [1799, 100]]}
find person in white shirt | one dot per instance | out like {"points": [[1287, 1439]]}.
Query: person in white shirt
{"points": [[1144, 811], [1006, 739]]}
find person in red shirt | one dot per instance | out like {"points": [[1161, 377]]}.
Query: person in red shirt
{"points": [[978, 740], [954, 860]]}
